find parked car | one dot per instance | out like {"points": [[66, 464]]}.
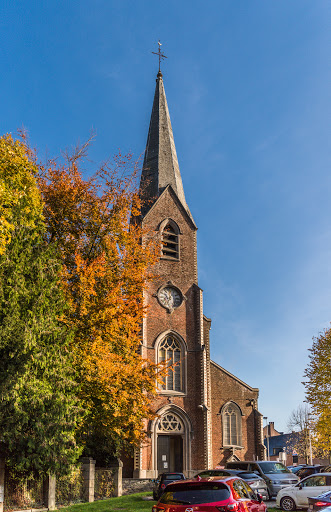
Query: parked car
{"points": [[327, 509], [309, 470], [297, 495], [319, 502], [252, 479], [295, 469], [275, 474], [227, 494], [163, 480]]}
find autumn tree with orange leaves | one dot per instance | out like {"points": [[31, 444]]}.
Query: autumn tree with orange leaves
{"points": [[105, 271]]}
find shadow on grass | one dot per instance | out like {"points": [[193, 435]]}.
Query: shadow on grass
{"points": [[130, 503]]}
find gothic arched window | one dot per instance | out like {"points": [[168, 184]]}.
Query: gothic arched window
{"points": [[170, 350], [231, 419], [170, 241]]}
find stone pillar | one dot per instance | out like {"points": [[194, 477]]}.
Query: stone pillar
{"points": [[49, 492], [88, 471], [2, 482], [116, 465]]}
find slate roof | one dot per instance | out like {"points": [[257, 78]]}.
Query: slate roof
{"points": [[160, 167]]}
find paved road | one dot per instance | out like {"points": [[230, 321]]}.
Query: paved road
{"points": [[271, 503]]}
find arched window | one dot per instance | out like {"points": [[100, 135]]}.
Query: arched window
{"points": [[231, 419], [170, 241], [170, 350]]}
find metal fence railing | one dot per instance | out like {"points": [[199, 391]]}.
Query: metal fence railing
{"points": [[103, 483], [70, 488], [29, 494], [22, 494]]}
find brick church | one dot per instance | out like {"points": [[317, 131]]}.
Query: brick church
{"points": [[205, 416]]}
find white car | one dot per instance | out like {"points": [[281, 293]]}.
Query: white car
{"points": [[297, 495]]}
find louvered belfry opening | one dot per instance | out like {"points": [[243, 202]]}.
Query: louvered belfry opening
{"points": [[170, 242]]}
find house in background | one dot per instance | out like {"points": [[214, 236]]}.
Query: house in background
{"points": [[282, 447], [279, 446]]}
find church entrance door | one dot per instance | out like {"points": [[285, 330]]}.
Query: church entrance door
{"points": [[169, 454]]}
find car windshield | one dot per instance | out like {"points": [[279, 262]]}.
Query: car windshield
{"points": [[248, 476], [295, 470], [173, 477], [274, 467], [195, 494], [214, 472]]}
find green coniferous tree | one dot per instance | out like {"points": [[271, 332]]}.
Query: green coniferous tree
{"points": [[39, 411]]}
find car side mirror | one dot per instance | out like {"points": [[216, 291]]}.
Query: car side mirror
{"points": [[300, 486]]}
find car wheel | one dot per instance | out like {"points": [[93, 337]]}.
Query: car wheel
{"points": [[287, 503]]}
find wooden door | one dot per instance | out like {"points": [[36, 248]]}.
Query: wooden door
{"points": [[163, 454]]}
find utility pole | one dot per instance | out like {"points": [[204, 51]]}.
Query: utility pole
{"points": [[266, 418]]}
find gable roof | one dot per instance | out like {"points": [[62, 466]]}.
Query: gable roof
{"points": [[256, 390], [186, 213]]}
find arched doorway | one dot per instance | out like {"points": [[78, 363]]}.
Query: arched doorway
{"points": [[171, 433]]}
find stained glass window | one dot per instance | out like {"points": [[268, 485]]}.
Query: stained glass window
{"points": [[170, 423], [170, 351], [231, 425]]}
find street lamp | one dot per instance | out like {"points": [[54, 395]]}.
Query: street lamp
{"points": [[310, 448], [266, 418]]}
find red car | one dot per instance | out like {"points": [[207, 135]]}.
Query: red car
{"points": [[213, 494]]}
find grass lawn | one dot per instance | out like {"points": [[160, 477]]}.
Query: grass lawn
{"points": [[131, 503]]}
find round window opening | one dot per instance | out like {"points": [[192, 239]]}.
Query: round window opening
{"points": [[170, 423]]}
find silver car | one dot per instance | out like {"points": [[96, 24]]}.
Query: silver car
{"points": [[275, 474], [297, 495]]}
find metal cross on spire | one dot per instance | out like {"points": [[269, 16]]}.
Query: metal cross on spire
{"points": [[160, 54]]}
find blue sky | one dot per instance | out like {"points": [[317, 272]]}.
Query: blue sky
{"points": [[247, 85]]}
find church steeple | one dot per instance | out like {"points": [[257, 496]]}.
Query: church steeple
{"points": [[160, 167]]}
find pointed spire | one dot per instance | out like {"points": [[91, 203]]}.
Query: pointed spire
{"points": [[160, 167]]}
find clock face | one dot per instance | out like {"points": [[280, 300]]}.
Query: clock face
{"points": [[170, 297]]}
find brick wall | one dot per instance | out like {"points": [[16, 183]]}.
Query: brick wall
{"points": [[185, 320], [225, 388], [207, 387]]}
